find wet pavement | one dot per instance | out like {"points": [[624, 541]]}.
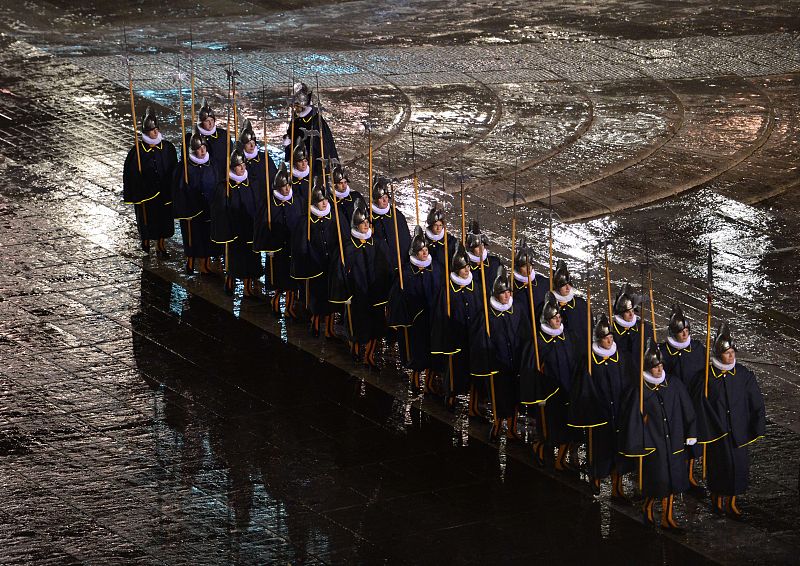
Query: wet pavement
{"points": [[123, 439]]}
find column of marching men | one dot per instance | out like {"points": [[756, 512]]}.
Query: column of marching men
{"points": [[465, 324]]}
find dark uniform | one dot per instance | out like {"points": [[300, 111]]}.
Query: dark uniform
{"points": [[192, 205], [436, 243], [628, 339], [216, 139], [596, 403], [659, 434], [245, 203], [311, 258], [276, 223], [731, 417], [383, 224], [149, 187], [309, 119], [491, 263], [499, 355]]}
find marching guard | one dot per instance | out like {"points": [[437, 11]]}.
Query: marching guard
{"points": [[478, 252], [245, 203], [147, 180], [435, 232], [573, 308], [346, 197], [627, 324], [192, 204], [383, 222], [305, 118], [524, 275], [595, 404], [277, 220], [259, 164], [731, 416], [216, 138], [659, 434]]}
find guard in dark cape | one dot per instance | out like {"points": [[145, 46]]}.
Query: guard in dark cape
{"points": [[215, 137], [383, 221], [245, 203], [450, 336], [148, 187], [274, 230], [257, 161], [499, 354], [684, 360], [301, 180], [477, 251], [192, 205], [730, 417], [311, 258], [524, 275], [659, 434], [422, 282], [573, 308], [368, 278], [558, 357], [306, 117], [626, 324], [434, 231], [595, 404]]}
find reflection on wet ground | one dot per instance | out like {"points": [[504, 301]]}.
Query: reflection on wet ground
{"points": [[682, 119]]}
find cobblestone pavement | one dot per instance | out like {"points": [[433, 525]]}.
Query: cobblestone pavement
{"points": [[112, 415]]}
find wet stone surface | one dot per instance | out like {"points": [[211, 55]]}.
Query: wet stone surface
{"points": [[131, 431]]}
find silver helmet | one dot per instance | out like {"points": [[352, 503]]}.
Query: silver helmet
{"points": [[197, 140], [300, 153], [301, 94], [281, 177], [246, 134], [435, 214], [475, 237], [524, 255], [380, 187], [319, 193], [502, 282], [601, 329], [339, 175], [550, 308], [360, 215], [561, 276], [652, 355], [723, 341], [460, 259], [205, 111], [677, 321], [237, 158], [149, 121], [418, 242], [625, 299]]}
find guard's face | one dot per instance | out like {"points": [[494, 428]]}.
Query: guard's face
{"points": [[364, 227], [341, 186], [284, 190], [477, 251], [250, 146], [200, 152], [657, 371], [555, 322], [464, 272], [564, 290], [606, 341], [382, 202], [322, 205], [683, 335], [240, 169], [301, 165], [422, 254], [728, 356], [504, 298], [437, 227], [298, 107], [628, 315], [209, 123], [524, 270], [152, 133]]}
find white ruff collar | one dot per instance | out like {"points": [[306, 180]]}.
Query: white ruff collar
{"points": [[420, 263], [152, 141], [648, 377], [343, 194], [522, 279], [206, 132], [300, 174], [720, 366], [476, 259], [282, 198], [463, 281], [498, 306], [320, 213], [360, 236], [679, 345], [306, 111], [432, 236], [197, 160], [604, 352], [564, 298], [238, 178], [378, 210], [251, 155], [552, 331], [624, 323]]}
